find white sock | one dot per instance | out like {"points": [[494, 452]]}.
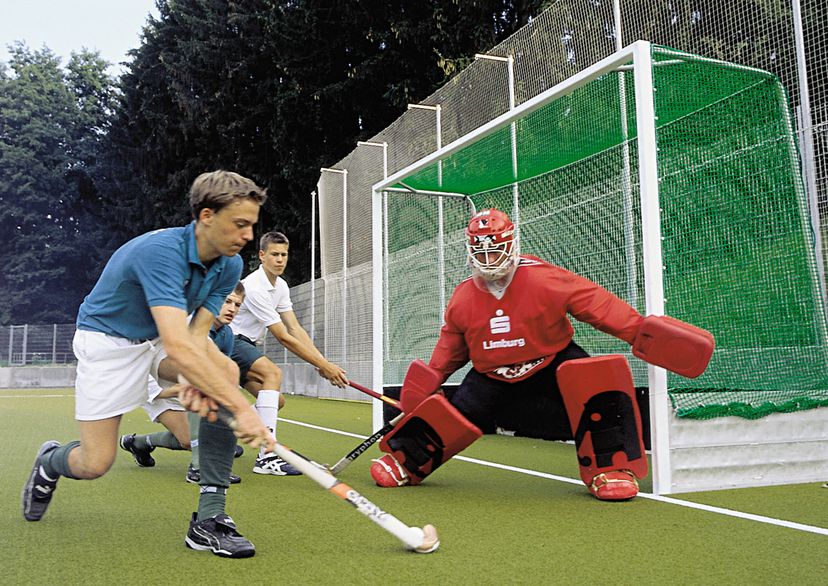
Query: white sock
{"points": [[267, 405]]}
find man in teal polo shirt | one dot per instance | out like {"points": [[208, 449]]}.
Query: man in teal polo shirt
{"points": [[136, 313]]}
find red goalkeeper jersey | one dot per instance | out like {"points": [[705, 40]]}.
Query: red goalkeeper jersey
{"points": [[511, 337]]}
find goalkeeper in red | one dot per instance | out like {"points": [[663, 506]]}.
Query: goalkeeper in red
{"points": [[510, 319]]}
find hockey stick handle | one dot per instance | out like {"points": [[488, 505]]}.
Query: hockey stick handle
{"points": [[414, 538], [376, 395], [367, 443]]}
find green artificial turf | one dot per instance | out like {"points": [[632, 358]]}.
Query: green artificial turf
{"points": [[496, 526]]}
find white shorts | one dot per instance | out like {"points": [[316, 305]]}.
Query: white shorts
{"points": [[155, 406], [112, 374]]}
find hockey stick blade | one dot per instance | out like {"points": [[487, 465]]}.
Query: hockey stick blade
{"points": [[415, 539]]}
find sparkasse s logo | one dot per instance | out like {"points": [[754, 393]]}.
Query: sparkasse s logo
{"points": [[500, 324]]}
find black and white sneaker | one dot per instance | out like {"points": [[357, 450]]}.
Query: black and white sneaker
{"points": [[239, 451], [142, 456], [218, 534], [39, 488], [194, 476], [273, 464]]}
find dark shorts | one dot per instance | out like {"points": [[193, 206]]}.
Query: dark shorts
{"points": [[532, 407], [245, 353]]}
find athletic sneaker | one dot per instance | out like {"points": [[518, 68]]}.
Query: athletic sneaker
{"points": [[388, 473], [142, 456], [239, 451], [194, 476], [218, 534], [39, 488], [273, 464]]}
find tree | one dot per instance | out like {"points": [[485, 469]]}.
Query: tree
{"points": [[50, 123], [276, 89]]}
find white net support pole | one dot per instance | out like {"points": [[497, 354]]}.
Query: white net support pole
{"points": [[313, 270], [441, 246], [806, 125], [651, 243], [344, 297], [376, 411], [510, 84], [377, 312], [344, 347], [626, 174]]}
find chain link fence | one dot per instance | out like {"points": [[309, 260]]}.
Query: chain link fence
{"points": [[36, 345]]}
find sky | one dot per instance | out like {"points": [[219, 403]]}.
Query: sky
{"points": [[113, 27]]}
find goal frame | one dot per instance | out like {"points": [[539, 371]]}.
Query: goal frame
{"points": [[637, 57]]}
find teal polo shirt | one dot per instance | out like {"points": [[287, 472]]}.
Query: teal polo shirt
{"points": [[223, 337], [159, 268]]}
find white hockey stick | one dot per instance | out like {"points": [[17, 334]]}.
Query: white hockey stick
{"points": [[419, 540]]}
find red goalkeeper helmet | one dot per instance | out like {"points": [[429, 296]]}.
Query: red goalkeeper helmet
{"points": [[492, 244]]}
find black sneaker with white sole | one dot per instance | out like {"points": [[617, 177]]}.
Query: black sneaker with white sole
{"points": [[141, 455], [39, 488], [218, 534], [238, 451], [273, 464], [194, 476]]}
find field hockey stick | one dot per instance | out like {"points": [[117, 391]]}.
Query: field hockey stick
{"points": [[367, 443], [376, 395], [419, 540]]}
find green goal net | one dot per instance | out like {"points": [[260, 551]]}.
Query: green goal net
{"points": [[737, 248]]}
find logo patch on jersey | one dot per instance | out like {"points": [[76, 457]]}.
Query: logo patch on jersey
{"points": [[500, 324]]}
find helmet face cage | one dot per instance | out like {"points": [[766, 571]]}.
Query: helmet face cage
{"points": [[491, 244]]}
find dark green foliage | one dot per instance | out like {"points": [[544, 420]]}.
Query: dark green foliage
{"points": [[51, 121], [275, 90]]}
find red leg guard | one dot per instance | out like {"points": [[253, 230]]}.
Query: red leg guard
{"points": [[429, 436], [600, 401]]}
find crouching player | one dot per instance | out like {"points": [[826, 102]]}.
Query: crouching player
{"points": [[164, 407], [510, 319]]}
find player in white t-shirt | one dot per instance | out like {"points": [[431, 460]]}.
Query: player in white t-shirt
{"points": [[267, 307]]}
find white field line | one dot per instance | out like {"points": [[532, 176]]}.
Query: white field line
{"points": [[645, 495]]}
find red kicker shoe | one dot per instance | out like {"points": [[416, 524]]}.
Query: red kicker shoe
{"points": [[388, 473], [617, 485]]}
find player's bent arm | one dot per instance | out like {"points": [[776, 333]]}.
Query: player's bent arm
{"points": [[450, 353], [310, 354], [190, 356], [295, 329], [201, 323]]}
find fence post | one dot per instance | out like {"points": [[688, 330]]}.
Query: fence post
{"points": [[25, 343], [313, 269]]}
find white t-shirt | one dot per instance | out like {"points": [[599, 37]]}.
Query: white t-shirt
{"points": [[262, 305]]}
